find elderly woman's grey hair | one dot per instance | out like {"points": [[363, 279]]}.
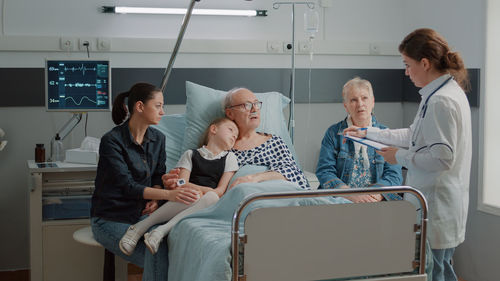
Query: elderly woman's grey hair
{"points": [[356, 83], [228, 100]]}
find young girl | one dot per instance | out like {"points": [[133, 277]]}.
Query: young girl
{"points": [[207, 169]]}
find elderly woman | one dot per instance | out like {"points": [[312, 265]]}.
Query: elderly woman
{"points": [[350, 164], [256, 148]]}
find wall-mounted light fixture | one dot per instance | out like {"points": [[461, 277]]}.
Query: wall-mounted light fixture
{"points": [[180, 11]]}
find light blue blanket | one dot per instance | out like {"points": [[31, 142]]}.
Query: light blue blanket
{"points": [[200, 245]]}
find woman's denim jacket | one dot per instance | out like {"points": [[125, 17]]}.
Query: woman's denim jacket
{"points": [[335, 163]]}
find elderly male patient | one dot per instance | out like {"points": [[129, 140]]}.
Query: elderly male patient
{"points": [[257, 148], [348, 164]]}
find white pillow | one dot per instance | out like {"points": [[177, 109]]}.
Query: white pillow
{"points": [[204, 104]]}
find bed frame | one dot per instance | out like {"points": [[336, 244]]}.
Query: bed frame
{"points": [[370, 241]]}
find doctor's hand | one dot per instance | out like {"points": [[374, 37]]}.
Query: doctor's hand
{"points": [[389, 154], [170, 179], [354, 131]]}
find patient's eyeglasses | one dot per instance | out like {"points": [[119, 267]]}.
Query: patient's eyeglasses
{"points": [[248, 105]]}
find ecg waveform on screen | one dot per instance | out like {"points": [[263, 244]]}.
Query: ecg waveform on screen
{"points": [[81, 68], [81, 100]]}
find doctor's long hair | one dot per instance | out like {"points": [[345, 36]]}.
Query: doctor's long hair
{"points": [[139, 92], [427, 43]]}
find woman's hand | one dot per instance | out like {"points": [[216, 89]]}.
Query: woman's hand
{"points": [[389, 154], [183, 195], [170, 179], [151, 206]]}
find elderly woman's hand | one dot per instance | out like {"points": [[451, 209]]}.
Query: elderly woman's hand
{"points": [[389, 154], [170, 179]]}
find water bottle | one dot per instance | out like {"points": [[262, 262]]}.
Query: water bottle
{"points": [[57, 149]]}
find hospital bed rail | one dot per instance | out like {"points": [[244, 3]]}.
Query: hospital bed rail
{"points": [[237, 237]]}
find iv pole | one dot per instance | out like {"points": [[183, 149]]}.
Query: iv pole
{"points": [[276, 5], [185, 22]]}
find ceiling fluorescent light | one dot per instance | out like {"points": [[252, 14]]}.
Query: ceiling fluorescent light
{"points": [[180, 11]]}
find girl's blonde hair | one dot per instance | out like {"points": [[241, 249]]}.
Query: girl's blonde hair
{"points": [[216, 122]]}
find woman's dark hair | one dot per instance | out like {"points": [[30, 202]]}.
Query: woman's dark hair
{"points": [[427, 43], [139, 92]]}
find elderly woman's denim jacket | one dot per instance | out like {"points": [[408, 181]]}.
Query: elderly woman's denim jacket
{"points": [[335, 163]]}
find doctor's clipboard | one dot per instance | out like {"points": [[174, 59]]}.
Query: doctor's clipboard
{"points": [[367, 142]]}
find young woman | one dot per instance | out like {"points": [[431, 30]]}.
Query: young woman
{"points": [[439, 142], [129, 177], [207, 169]]}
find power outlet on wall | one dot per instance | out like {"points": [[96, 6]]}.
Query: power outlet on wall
{"points": [[67, 43], [83, 43]]}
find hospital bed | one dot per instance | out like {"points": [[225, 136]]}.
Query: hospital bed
{"points": [[288, 233], [330, 241]]}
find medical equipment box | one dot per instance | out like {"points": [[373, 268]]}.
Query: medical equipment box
{"points": [[66, 207], [79, 155]]}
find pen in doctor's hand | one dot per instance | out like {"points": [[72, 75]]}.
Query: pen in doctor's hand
{"points": [[358, 129]]}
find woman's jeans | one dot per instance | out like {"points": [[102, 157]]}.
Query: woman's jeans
{"points": [[109, 233], [443, 270]]}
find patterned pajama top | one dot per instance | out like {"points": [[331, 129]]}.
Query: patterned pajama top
{"points": [[275, 155]]}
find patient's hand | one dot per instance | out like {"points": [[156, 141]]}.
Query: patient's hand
{"points": [[365, 198], [248, 178], [170, 179]]}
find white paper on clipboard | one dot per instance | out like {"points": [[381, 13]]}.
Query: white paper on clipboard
{"points": [[367, 142]]}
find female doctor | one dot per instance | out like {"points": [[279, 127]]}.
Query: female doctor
{"points": [[439, 142]]}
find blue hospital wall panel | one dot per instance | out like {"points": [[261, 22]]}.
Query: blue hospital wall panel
{"points": [[26, 87]]}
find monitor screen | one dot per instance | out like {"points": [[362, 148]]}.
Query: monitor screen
{"points": [[78, 85]]}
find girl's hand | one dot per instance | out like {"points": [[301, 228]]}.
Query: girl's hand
{"points": [[151, 206], [184, 195], [389, 154], [170, 179]]}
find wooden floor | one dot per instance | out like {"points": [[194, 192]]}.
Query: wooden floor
{"points": [[134, 274]]}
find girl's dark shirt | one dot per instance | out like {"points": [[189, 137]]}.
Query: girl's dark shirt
{"points": [[125, 168]]}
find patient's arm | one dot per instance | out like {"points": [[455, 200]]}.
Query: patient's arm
{"points": [[264, 176]]}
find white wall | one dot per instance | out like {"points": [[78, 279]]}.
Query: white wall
{"points": [[31, 30]]}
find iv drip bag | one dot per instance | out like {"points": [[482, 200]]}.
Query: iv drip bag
{"points": [[311, 22]]}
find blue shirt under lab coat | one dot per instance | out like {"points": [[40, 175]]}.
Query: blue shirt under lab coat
{"points": [[335, 163], [125, 168]]}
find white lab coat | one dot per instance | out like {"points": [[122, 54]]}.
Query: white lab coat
{"points": [[438, 158]]}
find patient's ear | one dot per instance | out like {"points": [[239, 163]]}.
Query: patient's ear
{"points": [[229, 113]]}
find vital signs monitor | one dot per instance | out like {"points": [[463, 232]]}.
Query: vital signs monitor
{"points": [[77, 85]]}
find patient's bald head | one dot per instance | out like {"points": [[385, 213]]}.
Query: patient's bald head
{"points": [[228, 100], [242, 106]]}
